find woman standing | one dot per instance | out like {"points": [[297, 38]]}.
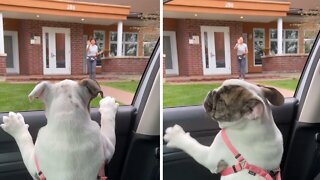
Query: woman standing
{"points": [[242, 51], [92, 53]]}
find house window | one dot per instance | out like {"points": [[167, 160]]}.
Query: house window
{"points": [[258, 46], [273, 42], [99, 36], [149, 42], [309, 37], [129, 44], [291, 41]]}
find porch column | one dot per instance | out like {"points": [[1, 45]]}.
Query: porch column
{"points": [[279, 39], [2, 53], [1, 35], [119, 40]]}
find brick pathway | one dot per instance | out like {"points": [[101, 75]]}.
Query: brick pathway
{"points": [[121, 96]]}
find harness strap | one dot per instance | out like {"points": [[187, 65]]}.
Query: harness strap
{"points": [[243, 164], [101, 175], [39, 172]]}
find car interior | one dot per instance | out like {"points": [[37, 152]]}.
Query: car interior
{"points": [[137, 134], [298, 120]]}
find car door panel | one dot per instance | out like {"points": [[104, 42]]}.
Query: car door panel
{"points": [[11, 164], [194, 120]]}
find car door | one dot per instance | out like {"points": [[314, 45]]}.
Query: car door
{"points": [[135, 148], [177, 165]]}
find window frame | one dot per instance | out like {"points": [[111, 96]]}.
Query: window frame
{"points": [[285, 40], [124, 43], [253, 44], [307, 39]]}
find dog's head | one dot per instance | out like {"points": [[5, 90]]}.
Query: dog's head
{"points": [[66, 95], [238, 99]]}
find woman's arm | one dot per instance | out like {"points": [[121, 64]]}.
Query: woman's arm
{"points": [[236, 46]]}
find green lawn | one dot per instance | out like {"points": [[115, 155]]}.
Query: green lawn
{"points": [[185, 94], [285, 84], [130, 86], [14, 97]]}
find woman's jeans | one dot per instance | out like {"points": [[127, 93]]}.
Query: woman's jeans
{"points": [[241, 66], [91, 65]]}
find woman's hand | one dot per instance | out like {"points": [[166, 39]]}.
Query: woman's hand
{"points": [[88, 42]]}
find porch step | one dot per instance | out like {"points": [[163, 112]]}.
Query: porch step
{"points": [[178, 79]]}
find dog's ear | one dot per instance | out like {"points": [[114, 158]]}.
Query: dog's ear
{"points": [[92, 86], [39, 90], [208, 102], [273, 95]]}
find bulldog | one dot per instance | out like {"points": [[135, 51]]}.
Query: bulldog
{"points": [[249, 146], [71, 146]]}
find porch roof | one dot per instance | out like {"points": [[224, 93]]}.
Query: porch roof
{"points": [[64, 10], [259, 11]]}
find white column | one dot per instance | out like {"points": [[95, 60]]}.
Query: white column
{"points": [[1, 35], [279, 40], [119, 40]]}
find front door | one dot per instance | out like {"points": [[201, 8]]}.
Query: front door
{"points": [[170, 53], [56, 50], [12, 51], [216, 57]]}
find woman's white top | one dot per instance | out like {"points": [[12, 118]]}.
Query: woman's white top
{"points": [[92, 51]]}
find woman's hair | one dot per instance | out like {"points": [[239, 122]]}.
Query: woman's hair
{"points": [[90, 39]]}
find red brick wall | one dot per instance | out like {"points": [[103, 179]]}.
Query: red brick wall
{"points": [[3, 65], [190, 55], [31, 56], [124, 65], [285, 63]]}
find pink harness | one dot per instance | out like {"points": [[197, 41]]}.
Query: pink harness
{"points": [[101, 175], [243, 164]]}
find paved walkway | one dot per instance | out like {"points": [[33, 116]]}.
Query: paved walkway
{"points": [[121, 96]]}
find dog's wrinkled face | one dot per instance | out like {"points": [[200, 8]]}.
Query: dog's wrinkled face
{"points": [[67, 95], [237, 99]]}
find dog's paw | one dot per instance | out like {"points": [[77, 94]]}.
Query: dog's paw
{"points": [[174, 135], [14, 124], [108, 103]]}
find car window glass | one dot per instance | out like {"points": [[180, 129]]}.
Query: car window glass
{"points": [[199, 59], [53, 51]]}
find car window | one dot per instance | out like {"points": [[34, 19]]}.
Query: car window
{"points": [[114, 50], [200, 54]]}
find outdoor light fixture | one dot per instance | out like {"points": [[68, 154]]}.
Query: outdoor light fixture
{"points": [[241, 17], [195, 15], [82, 19], [37, 15]]}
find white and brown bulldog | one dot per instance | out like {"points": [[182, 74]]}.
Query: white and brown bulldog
{"points": [[71, 146], [243, 112]]}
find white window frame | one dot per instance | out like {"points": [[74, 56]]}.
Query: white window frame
{"points": [[273, 40], [254, 39], [125, 42], [98, 41], [307, 39], [288, 40], [284, 40]]}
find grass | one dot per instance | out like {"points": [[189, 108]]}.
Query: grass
{"points": [[285, 84], [14, 97], [194, 94], [185, 94], [130, 86]]}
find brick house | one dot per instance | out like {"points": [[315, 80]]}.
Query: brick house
{"points": [[199, 36], [48, 37]]}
